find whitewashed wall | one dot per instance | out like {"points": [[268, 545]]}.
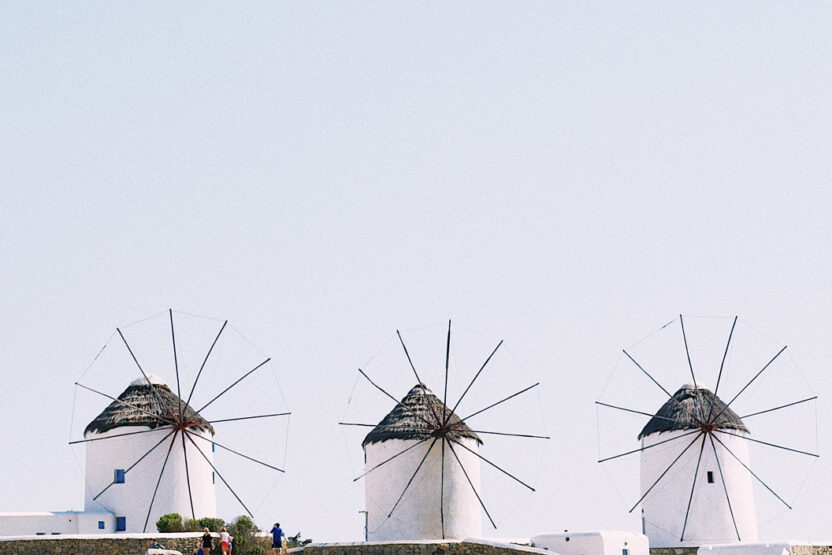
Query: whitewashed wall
{"points": [[132, 498], [601, 542], [49, 523], [709, 520], [417, 516]]}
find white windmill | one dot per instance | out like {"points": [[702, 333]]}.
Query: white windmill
{"points": [[697, 472]]}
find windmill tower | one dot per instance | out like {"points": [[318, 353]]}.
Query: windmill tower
{"points": [[129, 425], [708, 489], [410, 429]]}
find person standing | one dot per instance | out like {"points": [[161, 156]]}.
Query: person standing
{"points": [[225, 541], [277, 537], [207, 543]]}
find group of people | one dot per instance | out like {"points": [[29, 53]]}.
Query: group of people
{"points": [[226, 539]]}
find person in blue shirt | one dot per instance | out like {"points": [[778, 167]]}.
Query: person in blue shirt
{"points": [[277, 536]]}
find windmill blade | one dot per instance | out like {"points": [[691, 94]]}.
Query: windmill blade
{"points": [[787, 405], [398, 403], [477, 375], [250, 417], [751, 471], [447, 360], [415, 373], [636, 411], [721, 366], [224, 391], [698, 400], [652, 379], [203, 438], [412, 477], [128, 469], [470, 483], [530, 436], [442, 491], [693, 486], [666, 470], [516, 479], [188, 477], [402, 452], [202, 366], [175, 364], [132, 406], [159, 481], [725, 488], [757, 375], [167, 427], [214, 468], [639, 450], [769, 444], [491, 406], [150, 385]]}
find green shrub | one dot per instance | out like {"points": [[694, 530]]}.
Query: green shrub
{"points": [[213, 524], [171, 522], [295, 541]]}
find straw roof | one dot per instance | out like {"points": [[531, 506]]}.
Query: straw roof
{"points": [[419, 420], [681, 411], [140, 396]]}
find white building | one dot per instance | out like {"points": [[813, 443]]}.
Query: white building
{"points": [[596, 542], [122, 472], [117, 484], [667, 521], [417, 515]]}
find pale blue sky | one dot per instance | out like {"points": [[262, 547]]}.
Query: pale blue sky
{"points": [[563, 176]]}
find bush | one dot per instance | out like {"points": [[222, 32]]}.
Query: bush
{"points": [[243, 530], [295, 541], [213, 524], [171, 522]]}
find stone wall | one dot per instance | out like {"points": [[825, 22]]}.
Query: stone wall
{"points": [[673, 550], [418, 548]]}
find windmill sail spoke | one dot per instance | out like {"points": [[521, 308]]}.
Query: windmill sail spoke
{"points": [[666, 470], [150, 385], [412, 477], [166, 427], [652, 379], [188, 477], [751, 471], [698, 400], [398, 403], [660, 417], [477, 375], [208, 354], [470, 483], [510, 435], [639, 450], [415, 373], [447, 359], [159, 481], [442, 491], [516, 479], [757, 375], [175, 364], [131, 405], [203, 438], [768, 444], [214, 468], [491, 406], [725, 488], [224, 391], [787, 405], [249, 417], [402, 452], [693, 486], [128, 469], [721, 365]]}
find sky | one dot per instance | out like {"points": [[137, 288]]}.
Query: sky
{"points": [[562, 176]]}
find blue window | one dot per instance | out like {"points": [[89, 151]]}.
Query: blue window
{"points": [[118, 477], [121, 523], [100, 524], [625, 551], [213, 478], [213, 447]]}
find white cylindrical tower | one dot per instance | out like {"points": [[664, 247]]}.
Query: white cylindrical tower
{"points": [[123, 472], [417, 515], [722, 505]]}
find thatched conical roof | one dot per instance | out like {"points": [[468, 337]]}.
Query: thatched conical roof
{"points": [[681, 411], [410, 423], [138, 395]]}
